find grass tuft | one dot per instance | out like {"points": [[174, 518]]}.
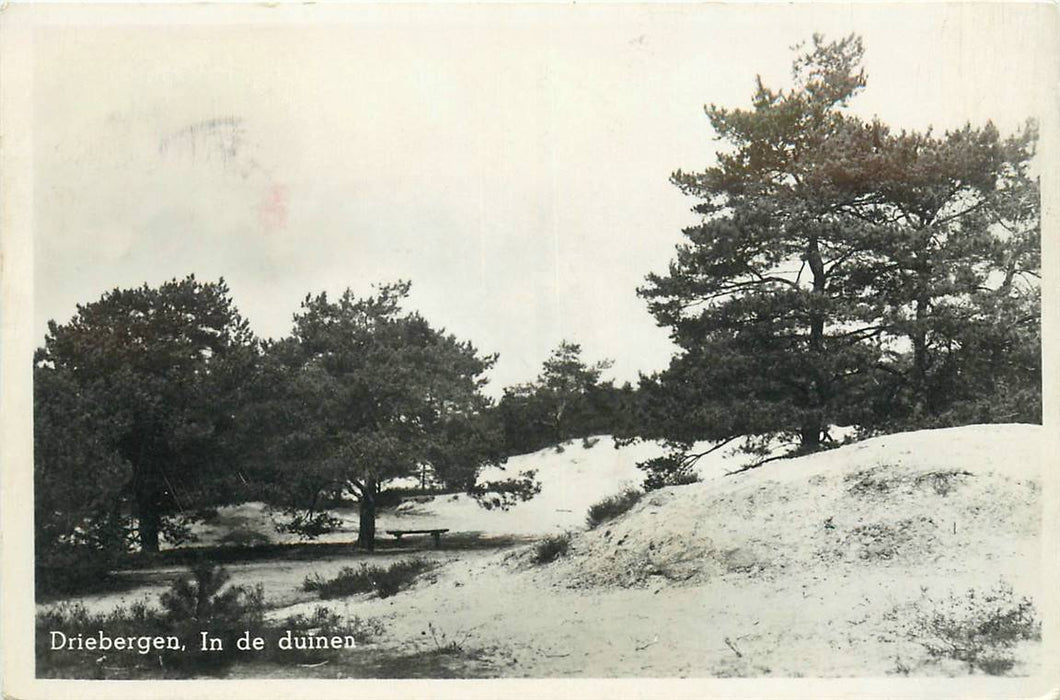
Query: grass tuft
{"points": [[612, 507], [551, 548]]}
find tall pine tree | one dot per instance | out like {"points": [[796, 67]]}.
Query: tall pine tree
{"points": [[838, 266]]}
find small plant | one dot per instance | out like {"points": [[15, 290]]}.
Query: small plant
{"points": [[551, 548], [203, 602], [612, 507], [979, 628], [199, 599], [445, 643], [385, 581]]}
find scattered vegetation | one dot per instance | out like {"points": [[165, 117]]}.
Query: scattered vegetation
{"points": [[323, 622], [979, 628], [876, 482], [384, 581], [551, 548], [195, 604], [440, 654], [613, 506], [942, 482], [869, 482]]}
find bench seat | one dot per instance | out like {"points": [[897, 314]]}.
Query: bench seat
{"points": [[435, 533]]}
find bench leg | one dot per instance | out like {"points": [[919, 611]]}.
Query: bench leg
{"points": [[437, 539], [398, 537]]}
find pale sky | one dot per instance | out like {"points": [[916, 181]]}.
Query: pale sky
{"points": [[511, 161]]}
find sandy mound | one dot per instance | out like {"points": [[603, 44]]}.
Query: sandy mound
{"points": [[812, 566], [926, 497]]}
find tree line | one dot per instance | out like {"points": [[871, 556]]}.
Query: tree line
{"points": [[156, 403], [840, 273]]}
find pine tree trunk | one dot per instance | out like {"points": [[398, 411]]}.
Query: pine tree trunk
{"points": [[149, 525], [810, 435], [366, 527], [811, 429], [922, 395], [146, 477]]}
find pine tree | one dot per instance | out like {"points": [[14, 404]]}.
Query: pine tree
{"points": [[134, 402], [362, 393], [776, 334], [838, 266]]}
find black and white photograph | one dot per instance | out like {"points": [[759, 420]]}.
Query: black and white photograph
{"points": [[683, 350]]}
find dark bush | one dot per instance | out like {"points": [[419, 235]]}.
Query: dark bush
{"points": [[613, 506], [384, 581], [65, 569], [202, 603], [551, 548]]}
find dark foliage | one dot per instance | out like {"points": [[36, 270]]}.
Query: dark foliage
{"points": [[134, 432], [612, 507], [551, 548], [846, 274], [362, 393], [385, 581], [568, 400], [199, 602], [673, 469]]}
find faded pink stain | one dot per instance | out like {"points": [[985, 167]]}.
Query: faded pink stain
{"points": [[273, 208]]}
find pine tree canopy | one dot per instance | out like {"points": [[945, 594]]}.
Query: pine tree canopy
{"points": [[843, 272]]}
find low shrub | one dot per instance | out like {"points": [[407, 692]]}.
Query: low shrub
{"points": [[612, 507], [72, 569], [979, 628], [204, 602], [551, 548], [384, 581], [192, 606]]}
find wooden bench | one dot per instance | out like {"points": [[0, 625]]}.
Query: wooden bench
{"points": [[435, 533]]}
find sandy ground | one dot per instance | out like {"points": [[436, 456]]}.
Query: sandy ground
{"points": [[804, 567]]}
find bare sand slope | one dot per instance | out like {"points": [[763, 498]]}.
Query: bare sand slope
{"points": [[812, 566]]}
